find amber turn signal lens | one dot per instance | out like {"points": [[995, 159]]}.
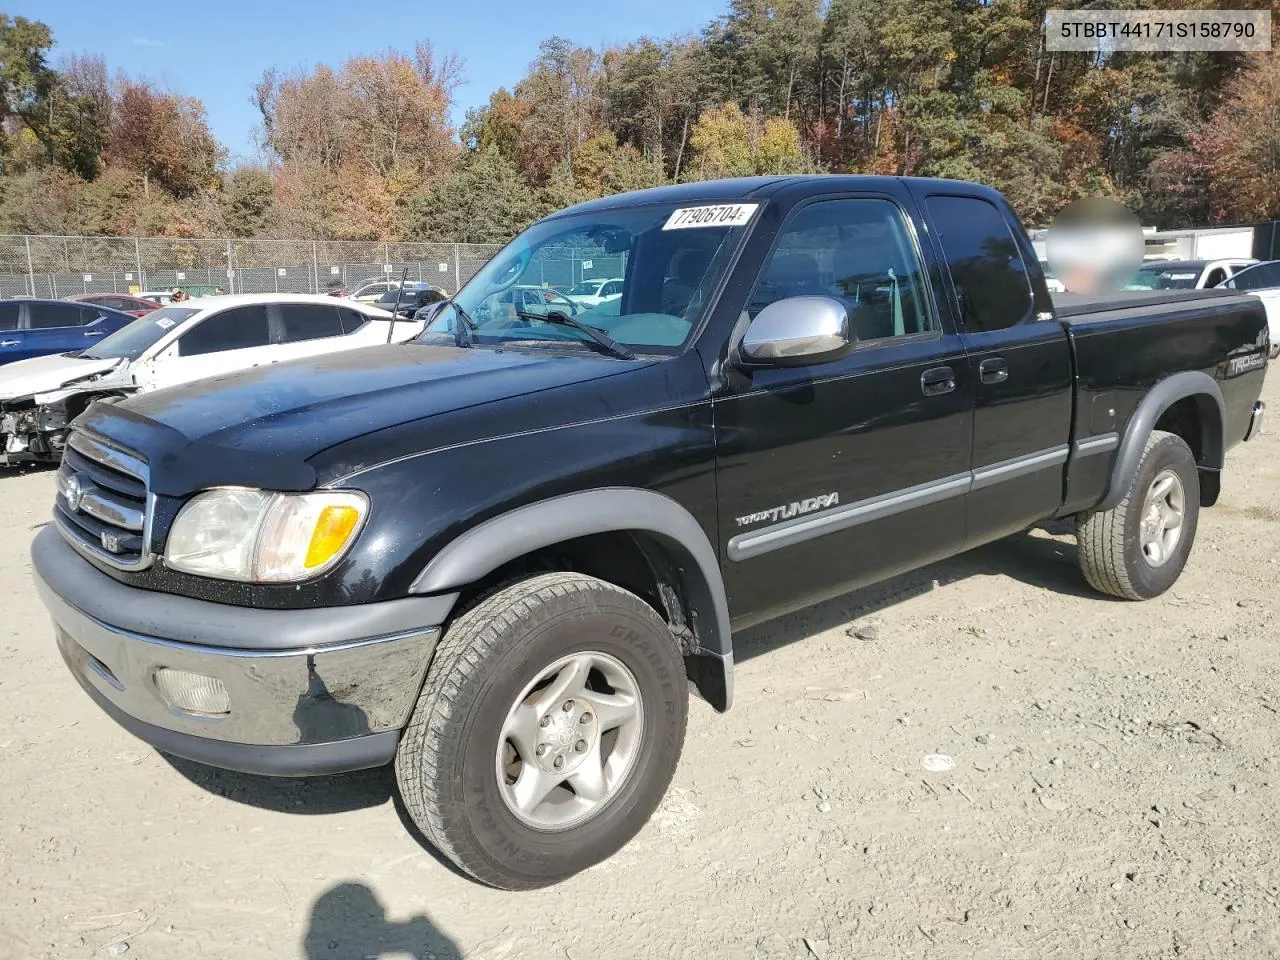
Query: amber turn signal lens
{"points": [[333, 529]]}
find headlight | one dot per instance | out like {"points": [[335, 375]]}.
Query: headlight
{"points": [[263, 537]]}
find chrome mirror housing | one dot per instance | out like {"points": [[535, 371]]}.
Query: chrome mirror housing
{"points": [[798, 331]]}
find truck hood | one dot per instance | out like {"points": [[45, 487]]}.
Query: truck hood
{"points": [[258, 427], [25, 378]]}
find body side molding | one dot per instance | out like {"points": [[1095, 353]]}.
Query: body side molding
{"points": [[1019, 467], [1094, 445], [752, 543], [744, 546]]}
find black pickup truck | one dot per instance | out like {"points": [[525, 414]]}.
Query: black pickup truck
{"points": [[497, 554]]}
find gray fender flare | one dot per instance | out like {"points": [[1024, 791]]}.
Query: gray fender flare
{"points": [[504, 538], [1179, 386]]}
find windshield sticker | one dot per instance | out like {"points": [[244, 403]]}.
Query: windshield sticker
{"points": [[1181, 276], [164, 323], [724, 215]]}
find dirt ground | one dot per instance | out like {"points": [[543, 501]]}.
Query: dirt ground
{"points": [[1114, 789]]}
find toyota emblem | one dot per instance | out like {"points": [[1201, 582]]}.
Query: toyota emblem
{"points": [[73, 493]]}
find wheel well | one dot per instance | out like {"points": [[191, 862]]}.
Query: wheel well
{"points": [[1184, 418], [636, 561], [614, 557], [1195, 419]]}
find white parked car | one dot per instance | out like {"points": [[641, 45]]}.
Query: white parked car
{"points": [[592, 293], [1263, 281], [368, 291], [177, 344], [1186, 274]]}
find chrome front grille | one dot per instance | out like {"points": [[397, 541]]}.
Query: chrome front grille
{"points": [[102, 505]]}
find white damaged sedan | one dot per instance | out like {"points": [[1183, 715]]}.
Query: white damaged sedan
{"points": [[177, 344]]}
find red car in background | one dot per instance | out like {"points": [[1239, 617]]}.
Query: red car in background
{"points": [[119, 301]]}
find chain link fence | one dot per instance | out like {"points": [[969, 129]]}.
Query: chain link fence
{"points": [[37, 266]]}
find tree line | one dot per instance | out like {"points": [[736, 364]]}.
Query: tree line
{"points": [[366, 150]]}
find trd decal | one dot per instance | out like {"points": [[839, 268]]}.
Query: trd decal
{"points": [[1239, 365]]}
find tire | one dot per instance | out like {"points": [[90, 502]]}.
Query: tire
{"points": [[1114, 556], [459, 772]]}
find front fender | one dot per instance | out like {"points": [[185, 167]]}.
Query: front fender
{"points": [[499, 540]]}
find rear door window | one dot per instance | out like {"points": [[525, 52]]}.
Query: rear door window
{"points": [[236, 329], [308, 321], [352, 320], [49, 316], [986, 268]]}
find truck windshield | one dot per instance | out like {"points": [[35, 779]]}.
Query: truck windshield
{"points": [[670, 257], [129, 342]]}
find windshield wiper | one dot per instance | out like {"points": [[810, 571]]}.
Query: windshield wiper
{"points": [[461, 331], [612, 346]]}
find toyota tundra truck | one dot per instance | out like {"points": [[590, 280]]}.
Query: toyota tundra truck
{"points": [[503, 554]]}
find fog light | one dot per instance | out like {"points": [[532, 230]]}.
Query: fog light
{"points": [[193, 692]]}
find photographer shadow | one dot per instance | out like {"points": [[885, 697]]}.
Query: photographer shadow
{"points": [[348, 922]]}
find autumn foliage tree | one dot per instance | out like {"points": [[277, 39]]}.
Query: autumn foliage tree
{"points": [[353, 143], [367, 149], [163, 138], [1235, 153]]}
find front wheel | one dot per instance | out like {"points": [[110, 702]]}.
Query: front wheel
{"points": [[547, 731], [1137, 549]]}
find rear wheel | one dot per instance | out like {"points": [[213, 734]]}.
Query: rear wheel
{"points": [[1137, 549], [547, 731]]}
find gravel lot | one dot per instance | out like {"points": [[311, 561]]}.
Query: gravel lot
{"points": [[1113, 792]]}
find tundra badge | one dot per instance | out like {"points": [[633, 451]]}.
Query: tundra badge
{"points": [[794, 509]]}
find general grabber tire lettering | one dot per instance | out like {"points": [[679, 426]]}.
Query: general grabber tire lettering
{"points": [[1137, 549], [547, 731]]}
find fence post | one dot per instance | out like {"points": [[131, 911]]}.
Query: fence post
{"points": [[315, 269], [231, 271], [386, 254], [137, 256], [457, 270], [31, 273]]}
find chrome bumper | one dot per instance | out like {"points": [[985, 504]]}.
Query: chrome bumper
{"points": [[318, 708], [1255, 421], [276, 699]]}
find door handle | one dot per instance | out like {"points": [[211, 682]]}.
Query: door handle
{"points": [[993, 370], [9, 343], [937, 381], [95, 333]]}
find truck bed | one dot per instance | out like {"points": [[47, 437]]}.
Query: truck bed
{"points": [[1075, 307]]}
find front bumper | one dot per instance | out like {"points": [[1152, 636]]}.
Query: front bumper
{"points": [[309, 691], [31, 434]]}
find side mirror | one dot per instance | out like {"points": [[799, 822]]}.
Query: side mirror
{"points": [[798, 331]]}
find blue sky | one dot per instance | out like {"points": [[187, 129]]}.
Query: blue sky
{"points": [[216, 51]]}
